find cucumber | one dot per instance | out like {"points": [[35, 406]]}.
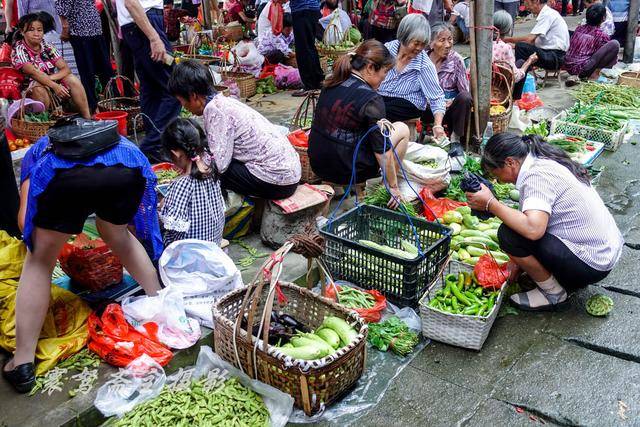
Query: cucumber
{"points": [[472, 260], [455, 228], [492, 234], [473, 233], [463, 254], [484, 227], [480, 242]]}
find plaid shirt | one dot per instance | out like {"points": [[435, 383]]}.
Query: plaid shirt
{"points": [[193, 209]]}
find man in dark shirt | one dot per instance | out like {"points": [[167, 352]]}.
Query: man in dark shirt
{"points": [[82, 27]]}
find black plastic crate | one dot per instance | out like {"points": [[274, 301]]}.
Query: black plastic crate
{"points": [[402, 281]]}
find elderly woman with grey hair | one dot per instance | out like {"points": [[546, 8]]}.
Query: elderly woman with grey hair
{"points": [[411, 88], [503, 52]]}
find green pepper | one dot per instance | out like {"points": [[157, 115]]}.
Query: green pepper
{"points": [[471, 310], [459, 295], [478, 291], [454, 303]]}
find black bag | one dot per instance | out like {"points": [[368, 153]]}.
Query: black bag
{"points": [[78, 138]]}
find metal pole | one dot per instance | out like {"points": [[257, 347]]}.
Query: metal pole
{"points": [[632, 24], [484, 49], [474, 74]]}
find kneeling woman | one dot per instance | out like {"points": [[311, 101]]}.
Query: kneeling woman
{"points": [[252, 156], [347, 108], [563, 236], [57, 196]]}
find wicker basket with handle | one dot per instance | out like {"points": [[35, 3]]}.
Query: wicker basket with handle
{"points": [[196, 42], [312, 383], [130, 104], [502, 94], [246, 81], [32, 130]]}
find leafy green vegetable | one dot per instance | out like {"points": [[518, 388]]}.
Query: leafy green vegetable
{"points": [[472, 164], [392, 334], [453, 191], [503, 191], [541, 129], [379, 196]]}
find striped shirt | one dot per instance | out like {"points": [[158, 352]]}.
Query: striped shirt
{"points": [[577, 214], [417, 83]]}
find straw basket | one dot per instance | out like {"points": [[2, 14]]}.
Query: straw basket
{"points": [[192, 52], [333, 32], [131, 105], [32, 130], [313, 384], [233, 31], [307, 174], [324, 64], [222, 89], [246, 81], [502, 82], [307, 108], [630, 78]]}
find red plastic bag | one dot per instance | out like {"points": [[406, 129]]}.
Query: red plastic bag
{"points": [[90, 263], [373, 314], [299, 138], [118, 343], [10, 82], [437, 206], [529, 101], [5, 53], [489, 274], [268, 70]]}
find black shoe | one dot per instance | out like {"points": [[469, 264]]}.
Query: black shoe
{"points": [[22, 377]]}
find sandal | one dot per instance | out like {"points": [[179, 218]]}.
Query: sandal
{"points": [[22, 377]]}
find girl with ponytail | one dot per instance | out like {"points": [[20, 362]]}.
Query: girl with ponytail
{"points": [[193, 207], [347, 109], [563, 235]]}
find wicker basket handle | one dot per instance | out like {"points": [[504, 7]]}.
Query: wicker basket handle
{"points": [[302, 113], [332, 29], [109, 92], [55, 105]]}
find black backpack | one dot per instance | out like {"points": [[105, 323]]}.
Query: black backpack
{"points": [[76, 138]]}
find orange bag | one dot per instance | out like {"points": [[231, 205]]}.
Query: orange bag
{"points": [[489, 274], [437, 206], [118, 343], [90, 263], [373, 314]]}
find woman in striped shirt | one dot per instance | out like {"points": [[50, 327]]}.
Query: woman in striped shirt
{"points": [[563, 236]]}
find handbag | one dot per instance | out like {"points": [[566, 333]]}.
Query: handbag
{"points": [[76, 138]]}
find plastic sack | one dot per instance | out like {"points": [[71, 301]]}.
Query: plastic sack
{"points": [[529, 101], [519, 119], [334, 32], [373, 314], [90, 263], [12, 253], [287, 77], [407, 314], [489, 274], [118, 343], [141, 380], [436, 178], [5, 53], [249, 58], [437, 206], [238, 216], [278, 403], [202, 272], [10, 82], [299, 138], [175, 329]]}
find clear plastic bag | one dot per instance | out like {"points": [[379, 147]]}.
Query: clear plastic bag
{"points": [[140, 381]]}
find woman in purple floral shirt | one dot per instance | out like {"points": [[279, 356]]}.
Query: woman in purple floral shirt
{"points": [[452, 75], [253, 157]]}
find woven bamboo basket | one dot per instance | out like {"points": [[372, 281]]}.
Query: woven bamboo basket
{"points": [[222, 89], [324, 64], [307, 175], [333, 32], [303, 116], [196, 42], [32, 131], [313, 384], [630, 78], [502, 82], [131, 105]]}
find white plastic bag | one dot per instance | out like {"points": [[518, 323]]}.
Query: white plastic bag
{"points": [[334, 32], [278, 403], [406, 314], [249, 58], [202, 272], [519, 119], [421, 176], [140, 381], [175, 329]]}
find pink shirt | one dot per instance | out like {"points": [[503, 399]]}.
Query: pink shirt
{"points": [[503, 52], [236, 131]]}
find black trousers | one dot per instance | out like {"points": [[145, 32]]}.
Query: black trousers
{"points": [[9, 191], [238, 179], [456, 118], [92, 59], [620, 32], [555, 256], [304, 27], [548, 59]]}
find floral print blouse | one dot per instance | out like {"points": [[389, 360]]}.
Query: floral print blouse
{"points": [[236, 131], [503, 52]]}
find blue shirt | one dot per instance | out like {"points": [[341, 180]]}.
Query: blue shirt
{"points": [[418, 83], [40, 166], [300, 5]]}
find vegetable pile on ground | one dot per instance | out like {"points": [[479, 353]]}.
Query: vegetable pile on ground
{"points": [[334, 333], [599, 305], [166, 176], [230, 404], [473, 238], [608, 95], [379, 196], [462, 295], [19, 143], [253, 255], [266, 86], [392, 334]]}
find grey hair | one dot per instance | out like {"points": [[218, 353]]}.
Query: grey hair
{"points": [[414, 27], [440, 27], [503, 21]]}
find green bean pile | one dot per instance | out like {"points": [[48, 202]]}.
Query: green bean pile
{"points": [[597, 118], [623, 96], [231, 404]]}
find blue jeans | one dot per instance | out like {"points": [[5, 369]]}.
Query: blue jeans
{"points": [[462, 25], [156, 102]]}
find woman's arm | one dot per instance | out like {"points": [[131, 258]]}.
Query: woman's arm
{"points": [[63, 70], [24, 197], [45, 80], [8, 14]]}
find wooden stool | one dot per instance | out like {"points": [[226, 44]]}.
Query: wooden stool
{"points": [[553, 74], [411, 124]]}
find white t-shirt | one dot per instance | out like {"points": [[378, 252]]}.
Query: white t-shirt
{"points": [[552, 30], [462, 9], [124, 17], [264, 25]]}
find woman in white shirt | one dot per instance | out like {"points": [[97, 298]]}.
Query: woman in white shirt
{"points": [[563, 236]]}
